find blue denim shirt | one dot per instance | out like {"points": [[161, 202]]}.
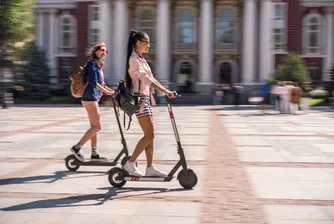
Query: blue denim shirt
{"points": [[265, 90], [93, 76]]}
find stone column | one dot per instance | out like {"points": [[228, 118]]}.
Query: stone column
{"points": [[206, 48], [163, 41], [329, 60], [106, 31], [40, 28], [52, 48], [266, 56], [120, 36], [248, 55]]}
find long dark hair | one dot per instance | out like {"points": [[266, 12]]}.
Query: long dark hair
{"points": [[133, 38]]}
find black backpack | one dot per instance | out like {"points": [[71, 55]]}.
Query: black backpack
{"points": [[126, 101]]}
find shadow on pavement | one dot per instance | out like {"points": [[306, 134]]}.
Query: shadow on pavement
{"points": [[235, 108], [59, 175], [98, 199]]}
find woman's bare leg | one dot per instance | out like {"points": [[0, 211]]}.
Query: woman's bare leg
{"points": [[146, 124]]}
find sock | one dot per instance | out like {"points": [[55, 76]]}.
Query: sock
{"points": [[77, 146], [94, 152]]}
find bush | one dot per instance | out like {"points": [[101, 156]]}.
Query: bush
{"points": [[319, 93]]}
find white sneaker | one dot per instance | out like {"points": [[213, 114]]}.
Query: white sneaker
{"points": [[132, 169], [154, 172]]}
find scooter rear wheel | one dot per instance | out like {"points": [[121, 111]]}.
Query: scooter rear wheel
{"points": [[69, 163], [116, 177], [187, 178]]}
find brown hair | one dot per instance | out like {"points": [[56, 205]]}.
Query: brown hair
{"points": [[96, 48]]}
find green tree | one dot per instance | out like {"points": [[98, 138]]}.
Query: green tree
{"points": [[16, 22], [36, 74], [293, 69]]}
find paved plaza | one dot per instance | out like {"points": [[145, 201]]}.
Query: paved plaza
{"points": [[252, 168]]}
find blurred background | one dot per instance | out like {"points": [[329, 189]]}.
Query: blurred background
{"points": [[208, 50]]}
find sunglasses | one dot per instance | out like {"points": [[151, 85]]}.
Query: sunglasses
{"points": [[145, 41], [104, 50]]}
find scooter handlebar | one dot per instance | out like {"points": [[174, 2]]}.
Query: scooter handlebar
{"points": [[175, 96]]}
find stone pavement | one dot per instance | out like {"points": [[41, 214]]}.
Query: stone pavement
{"points": [[251, 168]]}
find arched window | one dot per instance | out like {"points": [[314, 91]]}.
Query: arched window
{"points": [[225, 73], [312, 33], [225, 27], [185, 78], [67, 33], [314, 70], [186, 27], [146, 22]]}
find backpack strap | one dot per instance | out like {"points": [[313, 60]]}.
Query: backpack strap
{"points": [[129, 124]]}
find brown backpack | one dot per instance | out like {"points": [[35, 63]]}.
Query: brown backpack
{"points": [[77, 82]]}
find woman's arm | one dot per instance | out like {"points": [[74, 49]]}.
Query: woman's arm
{"points": [[108, 88], [142, 75], [156, 85], [92, 79], [105, 90]]}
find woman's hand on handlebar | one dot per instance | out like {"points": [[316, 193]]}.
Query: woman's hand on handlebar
{"points": [[110, 93], [171, 94]]}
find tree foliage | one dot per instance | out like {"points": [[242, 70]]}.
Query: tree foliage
{"points": [[36, 74], [16, 21], [293, 69]]}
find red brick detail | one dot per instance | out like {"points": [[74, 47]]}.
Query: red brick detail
{"points": [[279, 59], [294, 21], [308, 10], [81, 14]]}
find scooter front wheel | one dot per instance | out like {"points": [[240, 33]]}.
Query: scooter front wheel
{"points": [[69, 160], [116, 177], [187, 178]]}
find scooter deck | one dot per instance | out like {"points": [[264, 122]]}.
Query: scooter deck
{"points": [[148, 179], [89, 162]]}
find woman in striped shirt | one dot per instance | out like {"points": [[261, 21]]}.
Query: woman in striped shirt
{"points": [[139, 79]]}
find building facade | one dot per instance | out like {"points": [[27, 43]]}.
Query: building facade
{"points": [[195, 44]]}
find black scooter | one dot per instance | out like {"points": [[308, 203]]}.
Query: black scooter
{"points": [[72, 163], [187, 177]]}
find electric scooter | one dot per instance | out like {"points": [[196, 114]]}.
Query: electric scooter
{"points": [[187, 177], [73, 164]]}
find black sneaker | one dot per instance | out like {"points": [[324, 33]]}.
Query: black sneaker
{"points": [[77, 153], [98, 157]]}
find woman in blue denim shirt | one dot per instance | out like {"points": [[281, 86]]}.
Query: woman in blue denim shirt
{"points": [[90, 100]]}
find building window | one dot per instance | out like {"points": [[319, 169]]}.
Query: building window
{"points": [[65, 68], [314, 69], [312, 34], [146, 22], [225, 27], [278, 38], [279, 27], [279, 11], [67, 33], [95, 36], [95, 12], [186, 27]]}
